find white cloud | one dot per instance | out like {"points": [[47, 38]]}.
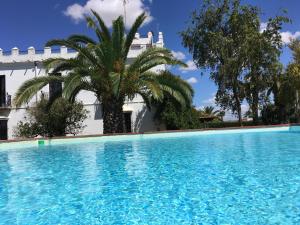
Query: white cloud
{"points": [[192, 80], [287, 36], [178, 55], [191, 66], [76, 12], [210, 101], [263, 26], [109, 10]]}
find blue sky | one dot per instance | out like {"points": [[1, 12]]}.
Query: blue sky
{"points": [[33, 22]]}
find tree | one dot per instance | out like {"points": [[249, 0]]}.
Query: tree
{"points": [[215, 37], [293, 72], [287, 98], [174, 114], [209, 111], [262, 51], [100, 67], [224, 36], [59, 119], [284, 91], [176, 117]]}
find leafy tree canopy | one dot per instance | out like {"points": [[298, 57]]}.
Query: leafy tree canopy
{"points": [[225, 37]]}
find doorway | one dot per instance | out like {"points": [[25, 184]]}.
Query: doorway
{"points": [[3, 130], [127, 122]]}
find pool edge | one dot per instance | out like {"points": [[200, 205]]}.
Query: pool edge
{"points": [[5, 145]]}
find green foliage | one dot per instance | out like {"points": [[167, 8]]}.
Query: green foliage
{"points": [[227, 124], [100, 67], [270, 115], [216, 37], [285, 87], [176, 118], [60, 119], [225, 37], [263, 52], [209, 111]]}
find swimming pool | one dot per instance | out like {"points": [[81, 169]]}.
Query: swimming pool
{"points": [[227, 177]]}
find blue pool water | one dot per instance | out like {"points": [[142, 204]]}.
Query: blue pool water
{"points": [[247, 178]]}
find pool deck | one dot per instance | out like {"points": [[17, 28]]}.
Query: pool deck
{"points": [[125, 136]]}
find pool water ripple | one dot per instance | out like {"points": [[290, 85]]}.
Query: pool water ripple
{"points": [[248, 178]]}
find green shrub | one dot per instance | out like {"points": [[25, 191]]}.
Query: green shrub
{"points": [[59, 119], [176, 117], [227, 124]]}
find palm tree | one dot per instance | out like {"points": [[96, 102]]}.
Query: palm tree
{"points": [[209, 111], [100, 67]]}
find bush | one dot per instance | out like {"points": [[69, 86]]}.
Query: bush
{"points": [[175, 117], [59, 119], [227, 124]]}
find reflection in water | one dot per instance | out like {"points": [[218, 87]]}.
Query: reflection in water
{"points": [[91, 168], [19, 182], [4, 177], [136, 161]]}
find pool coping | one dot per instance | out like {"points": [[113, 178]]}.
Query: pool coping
{"points": [[123, 136], [150, 132]]}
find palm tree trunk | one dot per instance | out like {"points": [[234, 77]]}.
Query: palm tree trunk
{"points": [[113, 121]]}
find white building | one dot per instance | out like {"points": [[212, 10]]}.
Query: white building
{"points": [[16, 67]]}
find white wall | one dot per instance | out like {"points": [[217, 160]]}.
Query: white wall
{"points": [[19, 67]]}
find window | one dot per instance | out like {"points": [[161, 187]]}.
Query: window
{"points": [[2, 91], [135, 47], [55, 88]]}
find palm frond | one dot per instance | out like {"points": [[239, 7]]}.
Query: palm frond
{"points": [[131, 34], [115, 81], [81, 39], [176, 87], [30, 87], [154, 54], [146, 97], [71, 84], [104, 32], [154, 89], [158, 61], [73, 45], [118, 37], [57, 65]]}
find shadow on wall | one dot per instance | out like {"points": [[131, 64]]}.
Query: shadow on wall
{"points": [[145, 122]]}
